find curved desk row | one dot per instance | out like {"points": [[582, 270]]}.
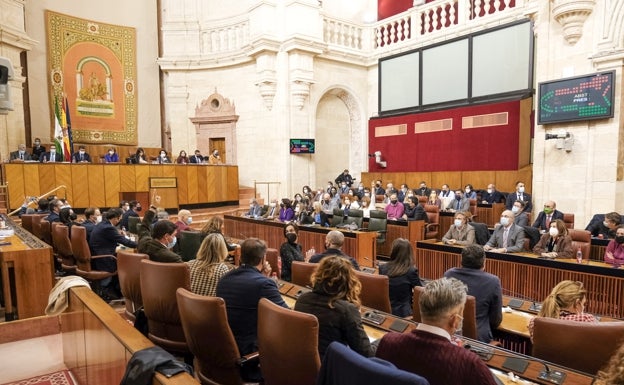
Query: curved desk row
{"points": [[497, 359]]}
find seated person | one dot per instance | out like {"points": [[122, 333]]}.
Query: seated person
{"points": [[365, 206], [38, 150], [286, 213], [430, 350], [273, 211], [491, 195], [566, 301], [158, 241], [163, 157], [111, 156], [615, 248], [470, 192], [255, 210], [556, 243], [549, 214], [138, 157], [423, 190], [460, 233], [459, 203], [434, 200], [81, 156], [333, 244], [346, 205], [335, 302], [403, 276], [320, 218], [290, 250], [182, 158], [197, 158], [208, 267], [20, 154], [51, 156], [184, 220], [394, 209], [485, 287], [414, 211], [521, 218], [606, 228], [519, 195], [506, 238], [214, 158], [215, 225]]}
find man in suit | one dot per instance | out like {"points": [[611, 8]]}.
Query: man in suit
{"points": [[92, 218], [55, 208], [423, 190], [333, 245], [506, 238], [197, 158], [51, 156], [81, 156], [441, 308], [20, 154], [460, 203], [38, 149], [485, 287], [273, 211], [131, 212], [157, 241], [519, 195], [255, 210], [242, 288], [491, 195], [549, 214], [604, 225]]}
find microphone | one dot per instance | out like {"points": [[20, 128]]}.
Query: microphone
{"points": [[518, 300]]}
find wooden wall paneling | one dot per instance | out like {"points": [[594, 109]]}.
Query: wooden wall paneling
{"points": [[202, 183], [232, 183], [18, 188], [63, 176], [141, 175], [168, 170], [81, 183], [47, 178], [155, 170], [396, 178], [413, 179], [451, 178], [97, 186], [127, 177], [212, 184], [183, 182], [478, 179], [112, 179]]}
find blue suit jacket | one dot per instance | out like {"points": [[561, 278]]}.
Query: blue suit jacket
{"points": [[105, 237], [540, 221], [241, 289]]}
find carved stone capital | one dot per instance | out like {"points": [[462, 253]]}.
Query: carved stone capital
{"points": [[571, 14], [299, 92]]}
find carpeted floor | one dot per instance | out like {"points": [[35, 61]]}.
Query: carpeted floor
{"points": [[62, 377]]}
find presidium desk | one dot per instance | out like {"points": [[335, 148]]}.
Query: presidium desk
{"points": [[527, 277], [361, 245], [27, 267]]}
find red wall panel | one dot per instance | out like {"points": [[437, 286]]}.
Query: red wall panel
{"points": [[483, 148], [389, 8]]}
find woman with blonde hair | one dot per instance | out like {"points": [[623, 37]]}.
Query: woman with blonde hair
{"points": [[208, 267], [566, 301], [613, 372], [335, 301], [434, 200]]}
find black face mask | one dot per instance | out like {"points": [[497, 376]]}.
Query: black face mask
{"points": [[393, 201], [73, 217], [291, 237], [619, 239], [138, 208]]}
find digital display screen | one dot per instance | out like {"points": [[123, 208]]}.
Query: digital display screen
{"points": [[302, 146], [579, 98]]}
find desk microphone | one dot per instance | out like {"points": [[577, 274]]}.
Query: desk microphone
{"points": [[518, 300]]}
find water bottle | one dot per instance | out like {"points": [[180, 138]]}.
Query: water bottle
{"points": [[579, 255], [279, 263]]}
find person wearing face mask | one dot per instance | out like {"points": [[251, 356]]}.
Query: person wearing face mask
{"points": [[521, 218], [377, 188], [286, 213], [519, 195], [491, 195], [111, 156], [434, 200], [92, 218], [485, 287], [460, 232], [182, 158], [20, 155], [138, 157], [458, 203], [51, 156], [469, 192], [402, 193], [329, 204], [273, 210], [184, 220], [556, 243], [38, 150], [157, 241], [255, 210], [506, 238], [604, 225], [81, 156], [214, 158], [333, 247], [423, 190], [395, 209], [414, 211], [290, 250], [344, 189], [346, 206], [545, 217], [319, 216], [162, 157], [130, 212], [365, 206], [446, 196], [441, 307], [615, 248]]}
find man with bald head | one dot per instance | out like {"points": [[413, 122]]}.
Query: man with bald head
{"points": [[549, 214], [506, 238], [333, 245], [491, 195], [20, 154]]}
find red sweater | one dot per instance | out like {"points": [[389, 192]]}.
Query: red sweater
{"points": [[435, 358]]}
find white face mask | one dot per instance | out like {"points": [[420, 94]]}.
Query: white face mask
{"points": [[273, 204], [111, 152], [189, 220], [98, 219], [553, 231], [520, 189], [81, 151], [504, 221], [458, 222], [515, 209], [489, 190], [467, 191]]}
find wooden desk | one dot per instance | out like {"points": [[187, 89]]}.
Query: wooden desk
{"points": [[598, 249], [27, 267], [290, 291], [360, 245], [410, 230], [489, 214], [525, 275]]}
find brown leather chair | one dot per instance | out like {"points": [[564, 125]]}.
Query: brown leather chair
{"points": [[129, 272], [432, 228], [375, 291], [582, 239], [28, 221], [473, 209], [159, 282], [210, 339], [422, 200], [46, 231], [278, 327], [63, 247], [272, 257], [83, 257], [568, 219], [470, 313], [36, 224], [301, 272], [578, 345]]}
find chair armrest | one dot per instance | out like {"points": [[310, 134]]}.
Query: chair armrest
{"points": [[103, 256], [248, 358], [432, 226]]}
